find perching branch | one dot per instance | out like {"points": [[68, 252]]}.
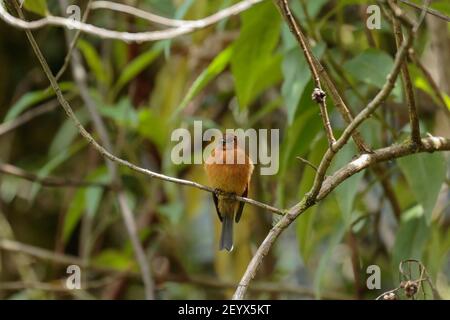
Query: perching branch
{"points": [[125, 36]]}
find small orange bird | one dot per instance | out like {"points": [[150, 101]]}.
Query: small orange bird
{"points": [[231, 177]]}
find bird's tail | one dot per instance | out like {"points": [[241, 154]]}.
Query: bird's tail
{"points": [[226, 239]]}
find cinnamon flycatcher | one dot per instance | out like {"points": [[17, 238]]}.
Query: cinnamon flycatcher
{"points": [[230, 177]]}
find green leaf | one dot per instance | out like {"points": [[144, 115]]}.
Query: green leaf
{"points": [[67, 133], [136, 66], [53, 163], [296, 76], [122, 113], [324, 263], [31, 98], [152, 127], [425, 173], [252, 59], [94, 61], [214, 69], [94, 194], [172, 211], [37, 6], [411, 237], [347, 190], [85, 200], [73, 214], [115, 259], [372, 67], [422, 84]]}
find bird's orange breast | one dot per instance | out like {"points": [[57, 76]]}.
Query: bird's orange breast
{"points": [[229, 177]]}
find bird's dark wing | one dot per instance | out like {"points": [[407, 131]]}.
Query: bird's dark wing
{"points": [[241, 206], [216, 204]]}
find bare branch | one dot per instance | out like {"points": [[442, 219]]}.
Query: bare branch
{"points": [[427, 10], [125, 36], [196, 24], [407, 85], [429, 144]]}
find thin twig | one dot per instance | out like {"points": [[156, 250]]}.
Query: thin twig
{"points": [[9, 169], [427, 10], [318, 71], [407, 85], [308, 163], [318, 94], [27, 116], [126, 36]]}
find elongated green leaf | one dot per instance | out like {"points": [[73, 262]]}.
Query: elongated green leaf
{"points": [[115, 259], [411, 237], [136, 66], [37, 6], [214, 69], [422, 84], [85, 200], [122, 113], [425, 173], [31, 98], [372, 67], [74, 214], [67, 133], [94, 61], [324, 263], [52, 164], [252, 55]]}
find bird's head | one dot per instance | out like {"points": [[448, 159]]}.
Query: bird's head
{"points": [[228, 141]]}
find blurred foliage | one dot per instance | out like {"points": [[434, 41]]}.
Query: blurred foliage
{"points": [[246, 71]]}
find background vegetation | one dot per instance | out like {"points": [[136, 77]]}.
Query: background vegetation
{"points": [[246, 71]]}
